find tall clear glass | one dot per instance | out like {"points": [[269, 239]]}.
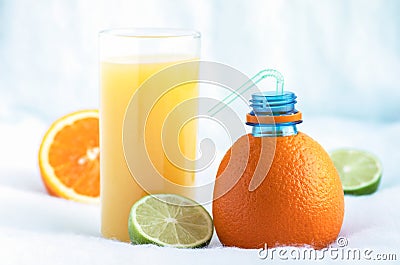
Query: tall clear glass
{"points": [[127, 58]]}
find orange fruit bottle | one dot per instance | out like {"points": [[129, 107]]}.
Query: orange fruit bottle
{"points": [[277, 186]]}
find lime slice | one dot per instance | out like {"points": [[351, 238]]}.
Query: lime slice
{"points": [[360, 171], [170, 220]]}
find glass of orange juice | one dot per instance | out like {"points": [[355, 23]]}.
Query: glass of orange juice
{"points": [[129, 57]]}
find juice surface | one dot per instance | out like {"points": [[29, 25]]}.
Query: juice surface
{"points": [[120, 78]]}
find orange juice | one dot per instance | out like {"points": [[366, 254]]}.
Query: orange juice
{"points": [[120, 78]]}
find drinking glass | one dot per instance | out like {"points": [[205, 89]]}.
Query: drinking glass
{"points": [[128, 58]]}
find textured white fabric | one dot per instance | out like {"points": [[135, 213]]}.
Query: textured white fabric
{"points": [[36, 228]]}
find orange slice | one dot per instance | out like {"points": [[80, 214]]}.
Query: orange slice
{"points": [[69, 157]]}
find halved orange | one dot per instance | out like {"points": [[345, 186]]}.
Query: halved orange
{"points": [[69, 157]]}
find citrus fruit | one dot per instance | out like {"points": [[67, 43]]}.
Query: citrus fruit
{"points": [[169, 220], [300, 200], [359, 171], [69, 157]]}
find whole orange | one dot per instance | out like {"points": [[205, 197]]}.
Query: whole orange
{"points": [[300, 200]]}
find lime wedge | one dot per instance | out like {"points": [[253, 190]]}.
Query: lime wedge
{"points": [[170, 220], [359, 171]]}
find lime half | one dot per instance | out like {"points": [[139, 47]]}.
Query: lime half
{"points": [[170, 220], [360, 171]]}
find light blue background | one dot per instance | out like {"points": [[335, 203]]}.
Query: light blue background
{"points": [[341, 57]]}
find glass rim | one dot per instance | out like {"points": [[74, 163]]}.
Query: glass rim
{"points": [[151, 33]]}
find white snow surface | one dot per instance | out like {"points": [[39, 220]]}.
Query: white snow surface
{"points": [[36, 228]]}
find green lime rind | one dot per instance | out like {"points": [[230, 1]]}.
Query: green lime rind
{"points": [[170, 220], [365, 190], [359, 171]]}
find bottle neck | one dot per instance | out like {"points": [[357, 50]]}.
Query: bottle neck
{"points": [[273, 115], [261, 130]]}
